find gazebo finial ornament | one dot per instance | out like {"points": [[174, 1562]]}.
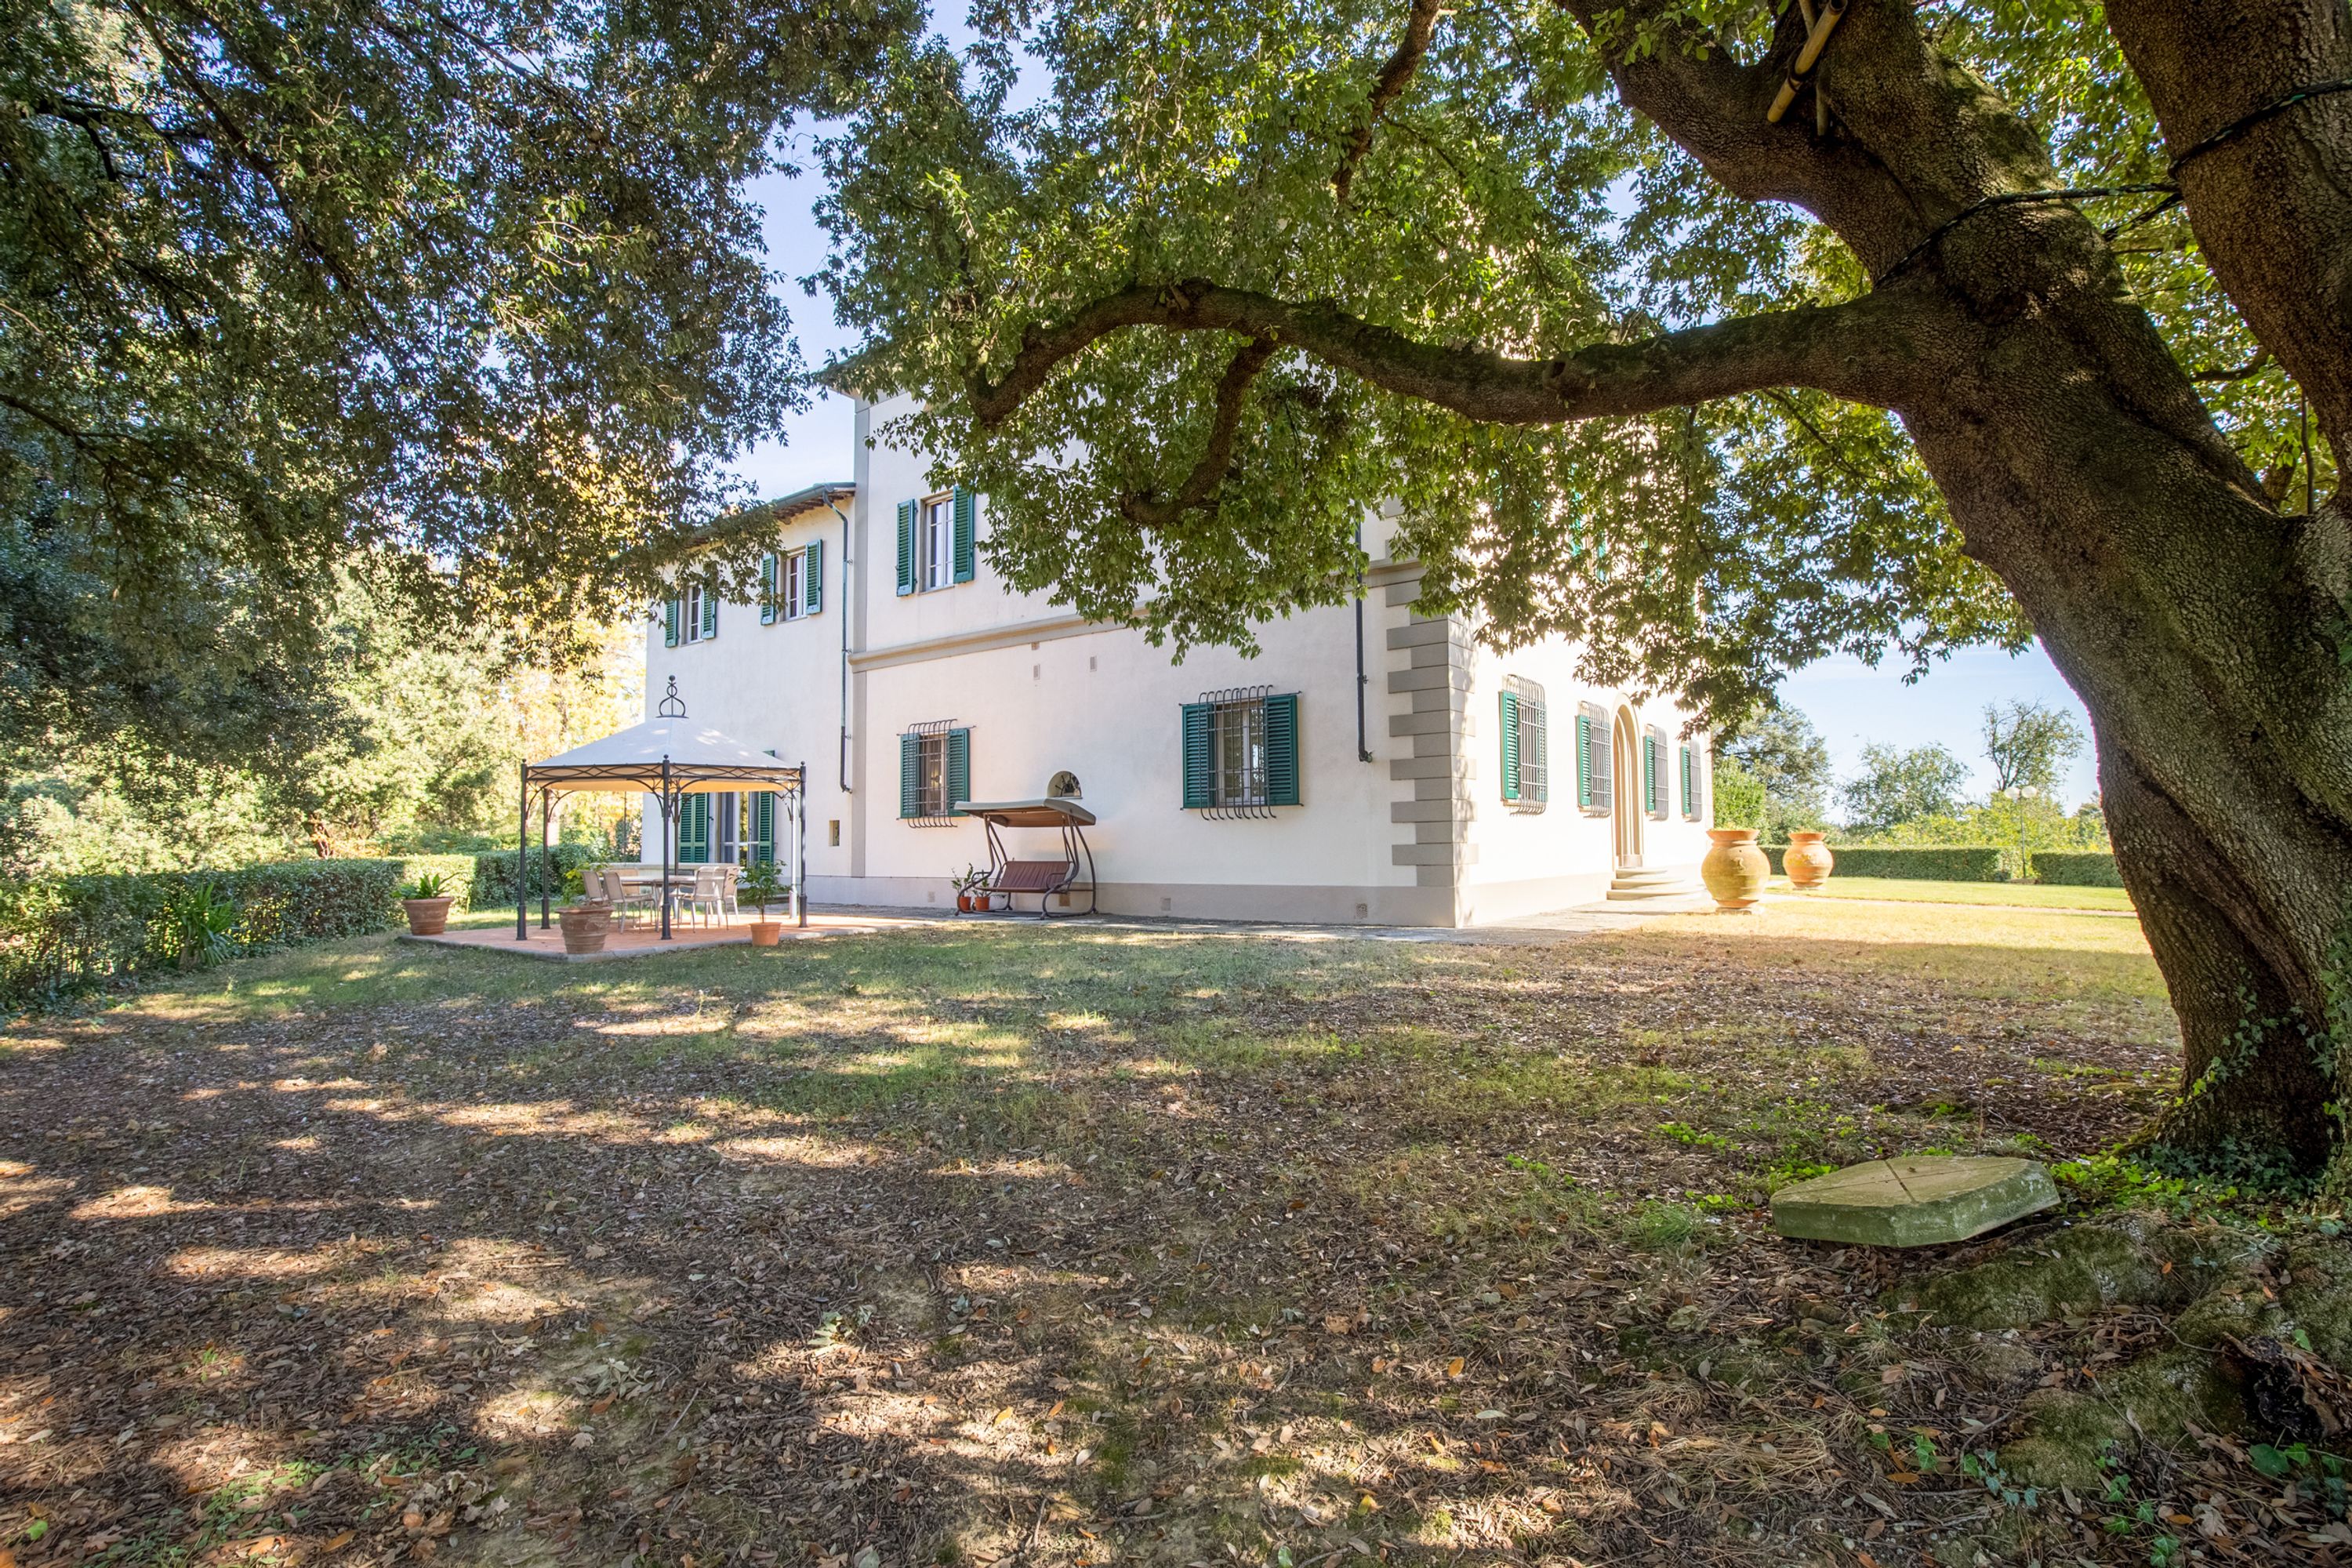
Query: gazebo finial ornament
{"points": [[671, 706]]}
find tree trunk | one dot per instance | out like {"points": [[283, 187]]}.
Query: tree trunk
{"points": [[2175, 603], [2209, 635]]}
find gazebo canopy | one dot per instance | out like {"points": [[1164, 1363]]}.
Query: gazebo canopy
{"points": [[671, 751]]}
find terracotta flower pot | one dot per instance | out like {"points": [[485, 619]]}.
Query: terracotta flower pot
{"points": [[964, 904], [1735, 870], [1808, 860], [428, 917], [585, 926], [767, 933]]}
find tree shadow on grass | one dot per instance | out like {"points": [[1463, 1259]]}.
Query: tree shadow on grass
{"points": [[962, 1248]]}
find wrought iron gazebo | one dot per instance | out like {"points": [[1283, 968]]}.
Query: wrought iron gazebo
{"points": [[670, 759]]}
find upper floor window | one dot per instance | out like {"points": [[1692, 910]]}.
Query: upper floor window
{"points": [[690, 616], [792, 584], [937, 540]]}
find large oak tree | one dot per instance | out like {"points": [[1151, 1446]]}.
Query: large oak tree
{"points": [[2004, 329]]}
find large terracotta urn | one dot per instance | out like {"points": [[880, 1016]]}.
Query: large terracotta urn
{"points": [[584, 927], [1808, 859], [1735, 870]]}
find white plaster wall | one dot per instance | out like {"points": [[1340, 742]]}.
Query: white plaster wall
{"points": [[1107, 706], [770, 686], [1041, 693], [1531, 861]]}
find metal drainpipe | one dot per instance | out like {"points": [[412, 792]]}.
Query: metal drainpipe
{"points": [[1363, 742], [844, 642]]}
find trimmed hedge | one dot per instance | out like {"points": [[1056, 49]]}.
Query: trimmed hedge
{"points": [[1926, 863], [494, 874], [74, 936], [2077, 868]]}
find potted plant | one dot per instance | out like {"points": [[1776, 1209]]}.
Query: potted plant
{"points": [[585, 921], [426, 902], [969, 885], [763, 886]]}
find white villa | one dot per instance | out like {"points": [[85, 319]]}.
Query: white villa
{"points": [[1370, 765]]}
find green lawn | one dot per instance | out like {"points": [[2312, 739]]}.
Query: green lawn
{"points": [[2022, 895], [1079, 1244]]}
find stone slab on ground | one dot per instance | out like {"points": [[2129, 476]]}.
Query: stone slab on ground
{"points": [[1921, 1201]]}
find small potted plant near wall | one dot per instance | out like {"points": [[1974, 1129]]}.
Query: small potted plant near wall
{"points": [[763, 885], [585, 921], [970, 885], [426, 902]]}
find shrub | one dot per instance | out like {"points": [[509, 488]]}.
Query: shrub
{"points": [[2076, 868], [494, 874], [1928, 863], [69, 936]]}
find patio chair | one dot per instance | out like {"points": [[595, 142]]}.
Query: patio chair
{"points": [[712, 897], [625, 898]]}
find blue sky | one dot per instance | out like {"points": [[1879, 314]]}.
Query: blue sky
{"points": [[1851, 703]]}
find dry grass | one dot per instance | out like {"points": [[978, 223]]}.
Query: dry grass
{"points": [[982, 1244]]}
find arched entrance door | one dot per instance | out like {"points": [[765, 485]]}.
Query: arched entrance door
{"points": [[1626, 799]]}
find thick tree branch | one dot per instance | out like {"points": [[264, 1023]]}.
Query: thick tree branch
{"points": [[1863, 351], [1217, 458], [1394, 78]]}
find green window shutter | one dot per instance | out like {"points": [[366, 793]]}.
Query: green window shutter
{"points": [[1282, 750], [1535, 753], [669, 623], [767, 588], [1649, 774], [1199, 756], [694, 829], [906, 547], [967, 535], [760, 843], [959, 769], [1510, 745], [910, 776], [813, 577], [1686, 778], [710, 615], [1604, 762], [1584, 760]]}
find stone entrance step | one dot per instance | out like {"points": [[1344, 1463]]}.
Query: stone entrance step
{"points": [[1635, 884]]}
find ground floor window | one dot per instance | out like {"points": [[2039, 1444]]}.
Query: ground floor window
{"points": [[726, 829], [934, 772], [1240, 751], [1527, 746]]}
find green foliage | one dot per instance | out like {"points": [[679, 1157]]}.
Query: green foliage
{"points": [[1739, 794], [764, 884], [1895, 787], [2077, 868], [1938, 863], [493, 880], [1200, 142], [199, 925], [2029, 743], [73, 935], [465, 295], [1779, 747], [428, 886]]}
